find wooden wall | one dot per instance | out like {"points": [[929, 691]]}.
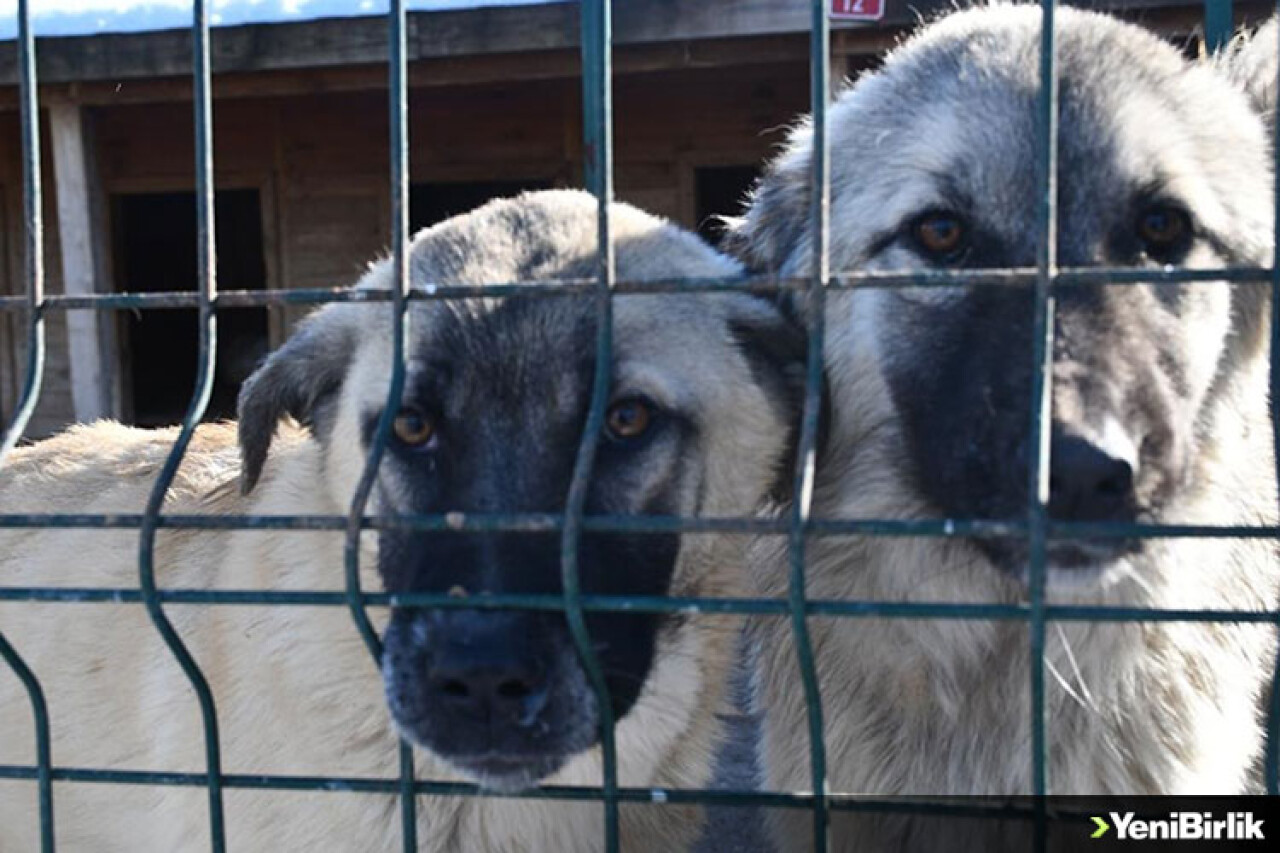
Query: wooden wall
{"points": [[54, 408], [10, 191], [320, 163]]}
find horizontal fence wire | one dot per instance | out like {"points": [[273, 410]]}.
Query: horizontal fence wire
{"points": [[1065, 279], [993, 809], [799, 525], [645, 604], [1058, 531]]}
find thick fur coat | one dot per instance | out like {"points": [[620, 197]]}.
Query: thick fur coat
{"points": [[297, 691], [1161, 161]]}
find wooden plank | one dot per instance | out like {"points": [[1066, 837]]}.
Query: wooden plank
{"points": [[8, 320], [108, 324], [435, 73], [489, 30], [53, 409], [10, 274], [268, 198], [91, 374], [142, 143]]}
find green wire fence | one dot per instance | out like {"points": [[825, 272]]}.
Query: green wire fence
{"points": [[1046, 279]]}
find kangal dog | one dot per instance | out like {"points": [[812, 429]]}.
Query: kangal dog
{"points": [[1159, 414], [703, 391]]}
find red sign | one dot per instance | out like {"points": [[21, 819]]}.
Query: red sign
{"points": [[857, 10]]}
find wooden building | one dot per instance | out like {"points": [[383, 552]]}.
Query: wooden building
{"points": [[703, 92]]}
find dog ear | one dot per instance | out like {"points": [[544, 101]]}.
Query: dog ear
{"points": [[1250, 60], [775, 225], [774, 341], [296, 380]]}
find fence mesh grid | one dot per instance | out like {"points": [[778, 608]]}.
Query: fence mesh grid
{"points": [[799, 526]]}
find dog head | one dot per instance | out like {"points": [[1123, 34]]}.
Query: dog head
{"points": [[495, 401], [1161, 162]]}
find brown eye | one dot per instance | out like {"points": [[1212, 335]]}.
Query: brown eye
{"points": [[628, 419], [413, 428], [1164, 231], [940, 236]]}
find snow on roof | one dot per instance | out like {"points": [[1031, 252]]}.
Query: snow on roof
{"points": [[91, 17]]}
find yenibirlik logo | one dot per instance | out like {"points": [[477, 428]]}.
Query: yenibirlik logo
{"points": [[1182, 826]]}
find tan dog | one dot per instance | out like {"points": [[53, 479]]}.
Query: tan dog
{"points": [[497, 390]]}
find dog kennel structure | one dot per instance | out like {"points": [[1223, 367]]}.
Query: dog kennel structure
{"points": [[704, 92]]}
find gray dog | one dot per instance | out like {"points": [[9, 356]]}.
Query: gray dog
{"points": [[1159, 414], [698, 424]]}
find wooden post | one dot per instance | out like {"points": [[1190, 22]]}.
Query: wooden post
{"points": [[92, 367]]}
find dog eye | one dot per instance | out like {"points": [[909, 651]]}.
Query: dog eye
{"points": [[1164, 231], [413, 428], [628, 419], [941, 236]]}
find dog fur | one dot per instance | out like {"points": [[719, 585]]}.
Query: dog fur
{"points": [[931, 408], [296, 689], [1251, 61]]}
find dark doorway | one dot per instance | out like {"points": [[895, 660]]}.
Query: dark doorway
{"points": [[720, 191], [436, 202], [155, 250]]}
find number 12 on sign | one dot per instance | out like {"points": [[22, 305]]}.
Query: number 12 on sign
{"points": [[857, 10]]}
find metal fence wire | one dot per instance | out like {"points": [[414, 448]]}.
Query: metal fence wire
{"points": [[1045, 278]]}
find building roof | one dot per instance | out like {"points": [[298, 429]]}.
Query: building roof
{"points": [[269, 35], [96, 17]]}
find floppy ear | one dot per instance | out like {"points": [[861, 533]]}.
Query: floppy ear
{"points": [[296, 380], [776, 345], [777, 215], [1251, 62]]}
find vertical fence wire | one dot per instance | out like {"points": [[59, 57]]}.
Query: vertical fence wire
{"points": [[398, 108], [1042, 365], [597, 129], [44, 758], [34, 269], [206, 273], [1218, 25], [399, 136], [819, 86], [33, 212], [1271, 764]]}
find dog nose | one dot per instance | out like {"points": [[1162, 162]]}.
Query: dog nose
{"points": [[484, 668], [1089, 481], [485, 688]]}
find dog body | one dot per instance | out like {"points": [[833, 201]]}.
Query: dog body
{"points": [[1159, 414], [494, 403]]}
